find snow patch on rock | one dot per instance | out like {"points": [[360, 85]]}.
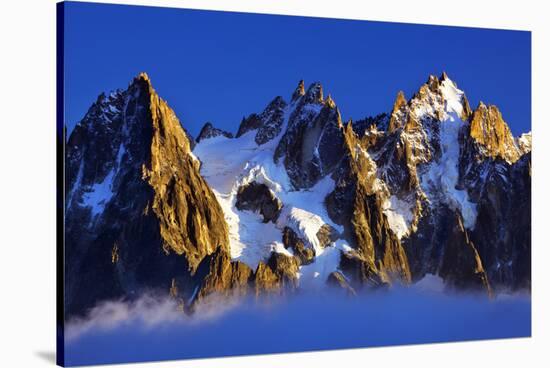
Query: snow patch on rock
{"points": [[399, 214], [440, 180], [99, 194]]}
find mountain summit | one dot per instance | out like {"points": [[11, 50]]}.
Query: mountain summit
{"points": [[138, 213]]}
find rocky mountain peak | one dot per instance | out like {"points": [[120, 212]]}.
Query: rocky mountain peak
{"points": [[433, 83], [267, 124], [438, 99], [330, 102], [209, 131], [524, 143], [398, 113], [276, 102], [299, 91], [312, 137], [492, 134], [134, 190], [248, 123], [143, 76], [142, 81], [466, 110], [314, 93]]}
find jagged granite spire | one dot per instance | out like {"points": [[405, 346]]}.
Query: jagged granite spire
{"points": [[314, 93], [138, 213], [330, 102], [398, 113], [313, 136], [299, 91], [492, 134]]}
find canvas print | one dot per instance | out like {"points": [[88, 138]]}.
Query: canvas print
{"points": [[235, 184]]}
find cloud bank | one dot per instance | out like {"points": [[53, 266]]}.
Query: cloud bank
{"points": [[152, 329]]}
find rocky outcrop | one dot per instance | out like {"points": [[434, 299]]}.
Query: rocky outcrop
{"points": [[191, 220], [265, 280], [461, 266], [251, 122], [285, 268], [311, 147], [399, 113], [209, 131], [360, 272], [268, 124], [305, 255], [503, 230], [278, 275], [357, 204], [377, 124], [327, 235], [272, 121], [134, 187], [523, 143], [299, 91], [338, 280], [258, 197], [492, 134], [217, 274]]}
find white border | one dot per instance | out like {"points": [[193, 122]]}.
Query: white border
{"points": [[27, 196]]}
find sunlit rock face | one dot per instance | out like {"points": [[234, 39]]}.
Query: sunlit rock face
{"points": [[296, 200], [138, 212]]}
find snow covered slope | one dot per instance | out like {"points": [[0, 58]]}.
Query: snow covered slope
{"points": [[228, 164]]}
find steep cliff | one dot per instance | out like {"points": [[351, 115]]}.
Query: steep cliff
{"points": [[138, 212]]}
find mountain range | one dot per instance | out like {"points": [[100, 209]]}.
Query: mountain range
{"points": [[297, 200]]}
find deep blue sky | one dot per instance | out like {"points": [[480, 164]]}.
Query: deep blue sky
{"points": [[215, 66]]}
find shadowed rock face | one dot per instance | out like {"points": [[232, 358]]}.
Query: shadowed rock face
{"points": [[251, 122], [138, 213], [272, 121], [257, 197], [312, 144], [291, 240], [461, 266], [502, 233], [267, 124], [371, 125], [209, 131], [338, 280]]}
